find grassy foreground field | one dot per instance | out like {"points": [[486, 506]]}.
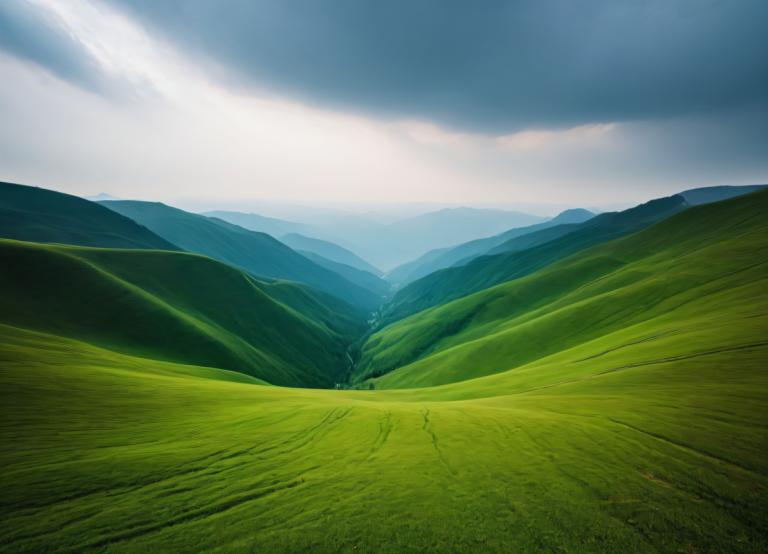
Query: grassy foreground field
{"points": [[106, 452], [613, 402]]}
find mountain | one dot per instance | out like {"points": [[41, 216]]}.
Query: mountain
{"points": [[328, 250], [40, 215], [101, 196], [409, 238], [624, 413], [465, 252], [387, 245], [176, 307], [649, 286], [361, 278], [483, 272], [705, 195], [258, 253], [255, 222]]}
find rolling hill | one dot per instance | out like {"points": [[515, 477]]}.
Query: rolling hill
{"points": [[361, 278], [483, 272], [174, 307], [262, 224], [39, 215], [665, 280], [465, 252], [329, 251], [609, 432], [257, 253]]}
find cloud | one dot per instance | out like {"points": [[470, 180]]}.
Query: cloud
{"points": [[496, 66], [39, 37], [187, 133]]}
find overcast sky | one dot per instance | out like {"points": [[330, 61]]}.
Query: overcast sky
{"points": [[550, 101]]}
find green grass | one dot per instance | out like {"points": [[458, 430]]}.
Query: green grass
{"points": [[523, 256], [176, 307], [142, 456], [671, 278], [640, 426]]}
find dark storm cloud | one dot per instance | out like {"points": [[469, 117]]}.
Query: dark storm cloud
{"points": [[490, 65], [28, 33]]}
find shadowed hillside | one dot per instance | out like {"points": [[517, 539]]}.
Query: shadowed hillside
{"points": [[40, 215], [257, 253], [175, 307]]}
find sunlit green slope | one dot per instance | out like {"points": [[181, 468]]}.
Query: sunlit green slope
{"points": [[706, 263], [177, 307], [525, 254], [435, 260], [657, 446]]}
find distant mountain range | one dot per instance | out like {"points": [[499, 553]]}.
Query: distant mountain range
{"points": [[384, 246], [465, 252], [554, 243], [328, 250], [258, 253]]}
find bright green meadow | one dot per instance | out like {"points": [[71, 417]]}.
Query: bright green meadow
{"points": [[615, 400]]}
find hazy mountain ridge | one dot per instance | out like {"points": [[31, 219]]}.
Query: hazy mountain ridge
{"points": [[465, 252], [485, 271], [328, 250], [258, 253], [385, 245]]}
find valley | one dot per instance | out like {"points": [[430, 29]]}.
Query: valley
{"points": [[608, 395]]}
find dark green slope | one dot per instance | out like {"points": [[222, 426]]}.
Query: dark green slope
{"points": [[328, 250], [257, 253], [463, 253], [361, 278], [39, 215], [705, 195], [168, 306], [487, 271], [703, 267]]}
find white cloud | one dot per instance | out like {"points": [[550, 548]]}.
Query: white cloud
{"points": [[174, 133]]}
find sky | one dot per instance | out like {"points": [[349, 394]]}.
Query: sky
{"points": [[522, 103]]}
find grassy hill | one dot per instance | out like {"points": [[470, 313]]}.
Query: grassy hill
{"points": [[668, 279], [617, 445], [435, 260], [614, 401], [526, 254], [361, 278], [329, 251], [175, 307], [40, 215], [257, 253]]}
